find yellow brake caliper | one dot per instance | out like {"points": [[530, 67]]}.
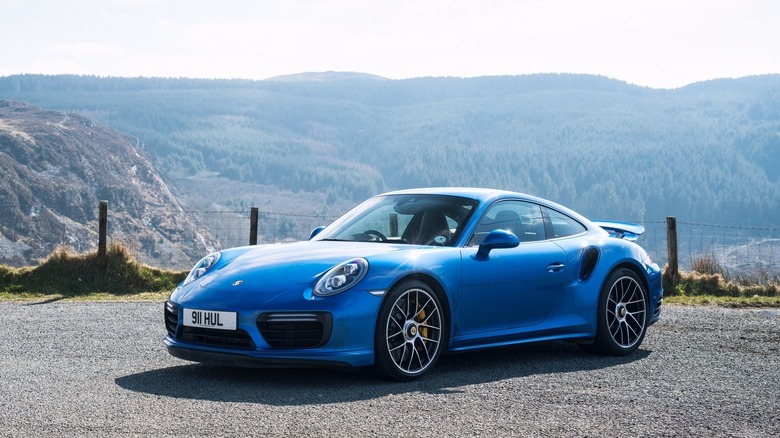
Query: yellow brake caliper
{"points": [[423, 330]]}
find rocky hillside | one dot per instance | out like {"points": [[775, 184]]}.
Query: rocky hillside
{"points": [[56, 167]]}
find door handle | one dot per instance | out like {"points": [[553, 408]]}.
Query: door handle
{"points": [[555, 267]]}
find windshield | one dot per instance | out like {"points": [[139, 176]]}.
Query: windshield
{"points": [[412, 219]]}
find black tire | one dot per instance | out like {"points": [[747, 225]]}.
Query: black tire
{"points": [[622, 314], [411, 332]]}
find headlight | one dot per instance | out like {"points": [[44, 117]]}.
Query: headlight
{"points": [[341, 277], [201, 268]]}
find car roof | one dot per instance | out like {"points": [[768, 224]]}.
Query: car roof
{"points": [[480, 194], [486, 196]]}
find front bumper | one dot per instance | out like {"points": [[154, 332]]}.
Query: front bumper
{"points": [[257, 359], [335, 331]]}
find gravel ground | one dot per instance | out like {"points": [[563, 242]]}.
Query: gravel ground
{"points": [[100, 369]]}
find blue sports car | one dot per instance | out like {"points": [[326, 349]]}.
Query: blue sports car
{"points": [[409, 275]]}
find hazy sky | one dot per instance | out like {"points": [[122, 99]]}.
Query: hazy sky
{"points": [[657, 43]]}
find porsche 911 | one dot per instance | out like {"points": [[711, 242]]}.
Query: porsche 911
{"points": [[409, 275]]}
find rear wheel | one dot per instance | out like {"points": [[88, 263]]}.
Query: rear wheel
{"points": [[411, 333], [622, 314]]}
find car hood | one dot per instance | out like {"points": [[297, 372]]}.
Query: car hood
{"points": [[273, 268]]}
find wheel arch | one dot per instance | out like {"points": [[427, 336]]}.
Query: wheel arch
{"points": [[606, 340], [631, 266], [434, 284]]}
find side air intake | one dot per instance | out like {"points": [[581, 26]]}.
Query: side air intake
{"points": [[590, 256]]}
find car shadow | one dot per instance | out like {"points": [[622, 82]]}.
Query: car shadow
{"points": [[48, 301], [302, 386]]}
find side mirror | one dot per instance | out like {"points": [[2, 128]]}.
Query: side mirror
{"points": [[496, 239], [316, 231]]}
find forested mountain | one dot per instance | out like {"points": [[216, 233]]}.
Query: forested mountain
{"points": [[708, 152]]}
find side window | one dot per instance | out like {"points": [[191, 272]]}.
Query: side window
{"points": [[524, 219], [563, 225]]}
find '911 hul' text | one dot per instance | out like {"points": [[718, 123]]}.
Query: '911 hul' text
{"points": [[206, 318]]}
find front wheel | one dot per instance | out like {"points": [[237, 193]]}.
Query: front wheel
{"points": [[622, 314], [410, 333]]}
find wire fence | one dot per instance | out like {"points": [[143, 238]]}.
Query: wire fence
{"points": [[157, 236], [737, 251], [176, 239], [228, 229], [232, 228]]}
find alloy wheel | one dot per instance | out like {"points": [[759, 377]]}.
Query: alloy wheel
{"points": [[626, 312], [414, 331]]}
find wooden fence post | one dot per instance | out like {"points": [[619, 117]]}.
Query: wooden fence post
{"points": [[673, 270], [102, 238], [394, 224], [253, 226]]}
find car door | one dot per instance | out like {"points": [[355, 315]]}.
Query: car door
{"points": [[513, 287]]}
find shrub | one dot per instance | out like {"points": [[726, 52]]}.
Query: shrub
{"points": [[67, 273], [707, 264], [695, 283]]}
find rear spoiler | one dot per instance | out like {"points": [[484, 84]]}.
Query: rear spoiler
{"points": [[621, 230]]}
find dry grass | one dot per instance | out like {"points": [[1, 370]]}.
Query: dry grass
{"points": [[67, 274], [710, 283]]}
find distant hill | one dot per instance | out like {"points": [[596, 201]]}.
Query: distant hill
{"points": [[57, 166], [326, 76], [708, 152]]}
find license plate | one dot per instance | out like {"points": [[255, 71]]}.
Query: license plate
{"points": [[210, 319]]}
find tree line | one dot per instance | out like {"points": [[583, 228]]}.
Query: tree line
{"points": [[709, 152]]}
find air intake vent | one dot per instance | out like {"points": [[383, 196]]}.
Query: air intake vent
{"points": [[589, 259], [658, 305], [218, 338], [171, 318], [295, 330]]}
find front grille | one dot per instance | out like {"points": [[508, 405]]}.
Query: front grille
{"points": [[171, 317], [218, 338], [295, 330]]}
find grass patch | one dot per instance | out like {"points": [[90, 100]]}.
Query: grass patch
{"points": [[709, 278], [710, 284], [695, 283], [711, 300], [65, 274]]}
